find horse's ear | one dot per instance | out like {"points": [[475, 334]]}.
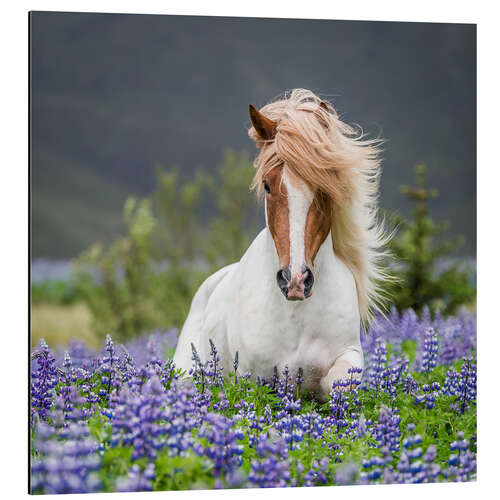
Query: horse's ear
{"points": [[328, 107], [265, 127]]}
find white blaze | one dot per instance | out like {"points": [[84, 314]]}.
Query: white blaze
{"points": [[300, 198]]}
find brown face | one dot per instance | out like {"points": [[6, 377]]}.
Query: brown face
{"points": [[299, 221]]}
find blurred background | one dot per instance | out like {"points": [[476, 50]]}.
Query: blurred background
{"points": [[141, 161]]}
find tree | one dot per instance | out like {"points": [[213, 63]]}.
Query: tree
{"points": [[419, 248]]}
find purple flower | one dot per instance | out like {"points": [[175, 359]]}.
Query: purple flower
{"points": [[462, 385], [271, 469], [137, 419], [318, 473], [64, 462], [386, 431], [346, 474], [223, 443], [214, 368], [462, 463], [429, 351], [43, 381]]}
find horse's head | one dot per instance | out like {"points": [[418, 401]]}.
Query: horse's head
{"points": [[319, 175], [298, 218]]}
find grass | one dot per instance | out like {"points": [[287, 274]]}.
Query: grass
{"points": [[58, 324]]}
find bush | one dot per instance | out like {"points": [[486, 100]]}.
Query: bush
{"points": [[418, 247], [53, 292], [146, 279]]}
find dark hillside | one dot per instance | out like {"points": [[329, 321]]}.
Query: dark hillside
{"points": [[114, 95]]}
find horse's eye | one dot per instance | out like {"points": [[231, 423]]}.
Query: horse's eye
{"points": [[267, 188]]}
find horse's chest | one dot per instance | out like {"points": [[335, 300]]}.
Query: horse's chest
{"points": [[297, 341]]}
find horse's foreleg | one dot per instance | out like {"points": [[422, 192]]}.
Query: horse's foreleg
{"points": [[352, 358]]}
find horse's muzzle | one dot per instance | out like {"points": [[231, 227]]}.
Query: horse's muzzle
{"points": [[297, 287]]}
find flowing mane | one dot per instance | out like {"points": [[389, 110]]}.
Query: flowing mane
{"points": [[332, 157]]}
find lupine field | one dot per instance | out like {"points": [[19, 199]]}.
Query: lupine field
{"points": [[124, 419]]}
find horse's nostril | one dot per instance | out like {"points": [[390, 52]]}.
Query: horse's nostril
{"points": [[308, 281], [283, 277]]}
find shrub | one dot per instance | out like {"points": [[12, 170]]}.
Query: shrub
{"points": [[146, 279], [418, 247]]}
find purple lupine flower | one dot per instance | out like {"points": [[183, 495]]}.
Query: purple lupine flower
{"points": [[183, 407], [397, 369], [431, 470], [290, 429], [377, 365], [450, 333], [339, 405], [182, 415], [80, 354], [136, 419], [318, 473], [462, 463], [311, 424], [67, 390], [361, 427], [140, 348], [410, 385], [451, 383], [268, 416], [76, 411], [137, 479], [343, 403], [285, 386], [462, 385], [128, 366], [43, 381], [300, 379], [428, 351], [64, 462], [346, 474], [429, 395], [467, 385], [68, 370], [197, 371], [374, 467], [386, 431], [109, 369], [272, 469], [214, 369], [223, 447]]}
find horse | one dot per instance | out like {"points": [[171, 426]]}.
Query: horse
{"points": [[311, 279]]}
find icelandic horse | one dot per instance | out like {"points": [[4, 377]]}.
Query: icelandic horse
{"points": [[309, 281]]}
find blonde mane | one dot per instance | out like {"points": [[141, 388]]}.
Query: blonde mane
{"points": [[332, 157]]}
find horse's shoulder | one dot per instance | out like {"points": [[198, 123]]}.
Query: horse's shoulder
{"points": [[210, 284]]}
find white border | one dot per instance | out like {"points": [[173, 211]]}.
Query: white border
{"points": [[14, 213]]}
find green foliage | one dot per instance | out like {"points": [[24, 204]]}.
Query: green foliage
{"points": [[185, 233], [177, 205], [228, 234], [182, 473], [127, 296], [53, 292], [146, 279], [417, 248]]}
